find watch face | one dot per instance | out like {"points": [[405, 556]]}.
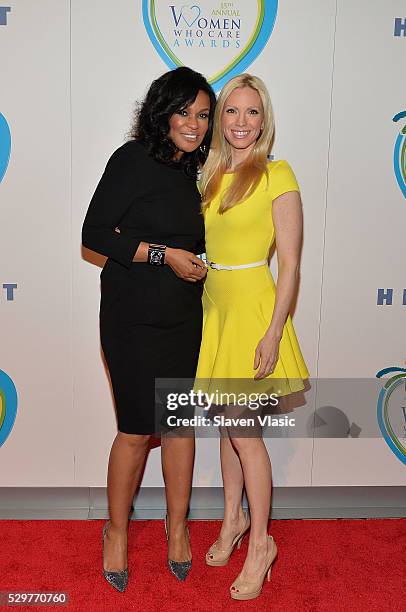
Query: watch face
{"points": [[156, 257]]}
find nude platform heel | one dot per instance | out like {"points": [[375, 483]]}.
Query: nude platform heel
{"points": [[217, 557], [244, 590]]}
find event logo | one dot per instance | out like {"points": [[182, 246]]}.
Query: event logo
{"points": [[219, 39], [8, 406], [5, 145], [399, 154], [392, 410]]}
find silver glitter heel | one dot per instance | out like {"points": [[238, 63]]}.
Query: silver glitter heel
{"points": [[180, 569], [118, 580]]}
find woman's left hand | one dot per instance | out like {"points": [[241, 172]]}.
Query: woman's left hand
{"points": [[266, 356]]}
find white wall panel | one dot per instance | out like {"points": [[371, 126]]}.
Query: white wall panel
{"points": [[366, 215], [73, 73], [35, 245]]}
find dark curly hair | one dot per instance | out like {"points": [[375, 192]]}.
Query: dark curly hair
{"points": [[167, 95]]}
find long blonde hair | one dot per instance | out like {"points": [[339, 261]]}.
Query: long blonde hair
{"points": [[250, 172]]}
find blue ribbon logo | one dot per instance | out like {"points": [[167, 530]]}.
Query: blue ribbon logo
{"points": [[5, 145], [392, 410], [399, 154], [8, 406]]}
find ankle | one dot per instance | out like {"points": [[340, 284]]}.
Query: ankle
{"points": [[235, 516], [177, 528], [258, 544], [116, 530]]}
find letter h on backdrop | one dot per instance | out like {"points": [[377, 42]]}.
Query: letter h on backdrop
{"points": [[400, 26], [3, 14]]}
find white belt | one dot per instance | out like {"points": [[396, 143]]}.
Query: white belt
{"points": [[256, 264]]}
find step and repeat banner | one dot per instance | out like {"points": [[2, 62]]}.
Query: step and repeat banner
{"points": [[71, 73]]}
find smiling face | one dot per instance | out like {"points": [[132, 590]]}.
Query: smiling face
{"points": [[243, 119], [188, 127]]}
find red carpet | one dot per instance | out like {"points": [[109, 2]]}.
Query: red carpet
{"points": [[329, 566]]}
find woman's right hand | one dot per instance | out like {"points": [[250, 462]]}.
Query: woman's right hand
{"points": [[186, 265]]}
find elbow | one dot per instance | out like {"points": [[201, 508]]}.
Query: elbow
{"points": [[290, 268], [85, 237], [88, 237]]}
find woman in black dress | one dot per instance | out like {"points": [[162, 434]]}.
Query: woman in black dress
{"points": [[145, 217]]}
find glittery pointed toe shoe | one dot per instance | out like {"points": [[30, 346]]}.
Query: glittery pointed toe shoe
{"points": [[118, 580], [180, 569]]}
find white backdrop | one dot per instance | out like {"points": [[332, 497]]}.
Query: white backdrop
{"points": [[73, 72]]}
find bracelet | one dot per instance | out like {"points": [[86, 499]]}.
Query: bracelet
{"points": [[156, 254]]}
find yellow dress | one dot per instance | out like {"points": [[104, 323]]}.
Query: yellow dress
{"points": [[238, 304]]}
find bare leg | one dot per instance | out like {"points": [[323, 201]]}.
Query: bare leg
{"points": [[233, 481], [257, 471], [177, 467], [126, 461]]}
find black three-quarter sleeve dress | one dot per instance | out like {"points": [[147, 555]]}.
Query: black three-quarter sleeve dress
{"points": [[150, 320]]}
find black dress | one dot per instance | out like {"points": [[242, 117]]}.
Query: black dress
{"points": [[150, 320]]}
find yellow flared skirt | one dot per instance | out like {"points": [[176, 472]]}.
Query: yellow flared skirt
{"points": [[238, 307]]}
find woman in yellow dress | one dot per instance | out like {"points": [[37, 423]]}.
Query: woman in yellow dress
{"points": [[249, 203]]}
